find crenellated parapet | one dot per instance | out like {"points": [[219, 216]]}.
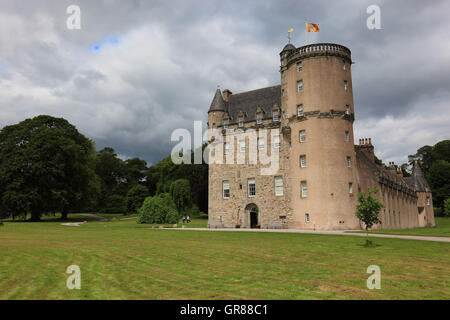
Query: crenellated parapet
{"points": [[315, 50]]}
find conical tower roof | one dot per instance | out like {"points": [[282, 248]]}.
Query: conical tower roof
{"points": [[420, 183], [218, 104]]}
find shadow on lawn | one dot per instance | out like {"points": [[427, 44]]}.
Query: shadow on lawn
{"points": [[53, 219]]}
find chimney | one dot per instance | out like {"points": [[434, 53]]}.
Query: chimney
{"points": [[226, 94], [365, 145]]}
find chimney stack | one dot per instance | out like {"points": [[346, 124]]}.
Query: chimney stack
{"points": [[226, 94], [365, 145]]}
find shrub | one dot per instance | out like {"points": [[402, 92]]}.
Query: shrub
{"points": [[158, 209], [446, 212], [192, 212], [135, 198]]}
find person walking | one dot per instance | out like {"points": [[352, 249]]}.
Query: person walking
{"points": [[183, 218], [188, 219]]}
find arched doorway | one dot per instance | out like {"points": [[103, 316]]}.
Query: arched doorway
{"points": [[252, 215]]}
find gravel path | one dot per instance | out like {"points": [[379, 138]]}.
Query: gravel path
{"points": [[99, 218], [340, 233]]}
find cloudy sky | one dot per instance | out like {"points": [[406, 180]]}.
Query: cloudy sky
{"points": [[138, 69]]}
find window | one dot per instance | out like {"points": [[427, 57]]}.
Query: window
{"points": [[259, 117], [241, 122], [428, 201], [350, 188], [278, 186], [347, 136], [306, 217], [300, 86], [347, 108], [260, 143], [300, 110], [276, 142], [225, 123], [344, 66], [226, 148], [251, 187], [299, 66], [349, 162], [304, 191], [345, 85], [303, 161], [276, 115], [226, 189], [242, 146], [302, 135]]}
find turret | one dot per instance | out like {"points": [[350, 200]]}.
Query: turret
{"points": [[216, 110], [424, 197]]}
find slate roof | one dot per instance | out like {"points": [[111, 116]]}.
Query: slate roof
{"points": [[249, 101], [382, 173], [217, 104], [418, 179], [416, 182]]}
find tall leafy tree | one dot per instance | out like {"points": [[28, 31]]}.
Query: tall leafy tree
{"points": [[44, 166], [438, 177], [180, 190], [111, 171]]}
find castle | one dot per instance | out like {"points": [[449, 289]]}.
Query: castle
{"points": [[309, 118]]}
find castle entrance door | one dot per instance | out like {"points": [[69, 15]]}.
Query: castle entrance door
{"points": [[252, 215]]}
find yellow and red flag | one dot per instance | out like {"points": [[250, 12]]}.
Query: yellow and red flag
{"points": [[312, 27]]}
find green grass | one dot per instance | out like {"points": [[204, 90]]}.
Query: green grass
{"points": [[442, 229], [124, 260]]}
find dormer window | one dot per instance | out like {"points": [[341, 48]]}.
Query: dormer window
{"points": [[276, 115], [241, 121], [299, 110], [225, 123], [259, 118]]}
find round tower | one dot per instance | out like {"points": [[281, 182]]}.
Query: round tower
{"points": [[317, 103], [216, 110]]}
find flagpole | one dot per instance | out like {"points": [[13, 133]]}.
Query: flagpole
{"points": [[306, 32]]}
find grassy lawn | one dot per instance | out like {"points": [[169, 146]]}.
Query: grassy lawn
{"points": [[120, 259], [442, 229]]}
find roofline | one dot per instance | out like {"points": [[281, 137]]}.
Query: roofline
{"points": [[235, 94]]}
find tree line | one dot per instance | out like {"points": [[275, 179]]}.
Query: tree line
{"points": [[47, 166]]}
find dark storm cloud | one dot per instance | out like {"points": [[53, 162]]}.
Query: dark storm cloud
{"points": [[158, 64]]}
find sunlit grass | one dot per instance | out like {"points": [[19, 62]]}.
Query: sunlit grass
{"points": [[120, 259]]}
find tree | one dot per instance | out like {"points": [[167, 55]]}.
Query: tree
{"points": [[439, 179], [368, 210], [135, 170], [446, 211], [180, 190], [158, 209], [111, 171], [44, 165], [135, 197]]}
